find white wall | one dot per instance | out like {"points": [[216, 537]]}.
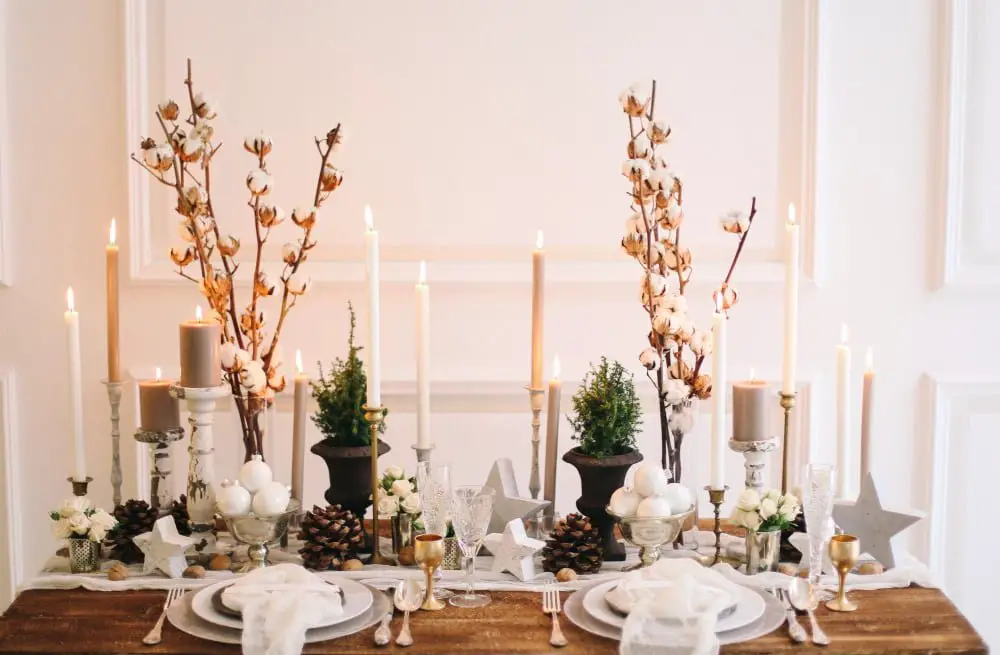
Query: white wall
{"points": [[470, 126]]}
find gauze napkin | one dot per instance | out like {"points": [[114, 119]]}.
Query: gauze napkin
{"points": [[279, 603]]}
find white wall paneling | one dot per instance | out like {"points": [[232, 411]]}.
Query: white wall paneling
{"points": [[966, 420], [5, 237], [969, 247], [780, 72], [11, 569]]}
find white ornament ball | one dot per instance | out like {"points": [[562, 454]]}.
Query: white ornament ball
{"points": [[232, 498], [653, 506], [649, 480], [255, 474], [679, 497], [270, 499], [624, 502]]}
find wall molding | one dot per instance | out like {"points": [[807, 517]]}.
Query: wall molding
{"points": [[962, 261], [486, 264], [12, 507], [5, 235]]}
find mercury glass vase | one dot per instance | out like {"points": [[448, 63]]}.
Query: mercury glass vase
{"points": [[402, 531], [452, 555], [763, 551], [84, 555]]}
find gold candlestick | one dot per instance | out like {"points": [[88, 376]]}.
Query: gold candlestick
{"points": [[717, 497], [787, 401], [373, 417]]}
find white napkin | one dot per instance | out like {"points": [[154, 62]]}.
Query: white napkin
{"points": [[672, 611], [279, 603]]}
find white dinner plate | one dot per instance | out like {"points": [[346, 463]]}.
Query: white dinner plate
{"points": [[749, 608], [357, 599]]}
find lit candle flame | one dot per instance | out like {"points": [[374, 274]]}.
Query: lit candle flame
{"points": [[113, 233], [70, 304], [844, 333], [555, 367], [538, 240], [159, 373], [369, 219], [753, 375], [791, 213], [298, 361], [197, 313], [423, 272], [869, 361]]}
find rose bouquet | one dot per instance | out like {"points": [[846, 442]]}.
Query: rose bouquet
{"points": [[767, 512], [398, 494], [77, 518]]}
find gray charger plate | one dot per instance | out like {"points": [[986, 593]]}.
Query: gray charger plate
{"points": [[222, 608]]}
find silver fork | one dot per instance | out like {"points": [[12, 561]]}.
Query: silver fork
{"points": [[795, 629], [552, 604], [154, 635]]}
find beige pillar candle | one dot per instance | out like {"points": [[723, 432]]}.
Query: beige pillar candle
{"points": [[867, 398], [552, 437], [751, 404], [158, 410], [111, 253], [299, 427], [537, 311], [200, 368]]}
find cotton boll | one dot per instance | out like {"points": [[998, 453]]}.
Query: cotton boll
{"points": [[679, 497], [653, 506], [624, 502], [649, 480]]}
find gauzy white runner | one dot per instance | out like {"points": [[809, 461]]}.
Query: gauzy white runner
{"points": [[279, 603]]}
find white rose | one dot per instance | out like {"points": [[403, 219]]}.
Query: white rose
{"points": [[789, 511], [79, 524], [772, 494], [749, 500], [751, 521], [74, 505], [394, 473], [103, 520], [410, 504], [97, 533], [388, 506], [768, 508], [61, 529], [401, 488]]}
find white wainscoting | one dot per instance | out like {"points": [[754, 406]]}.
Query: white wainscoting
{"points": [[5, 236], [11, 546]]}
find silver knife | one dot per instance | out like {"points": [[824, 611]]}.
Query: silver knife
{"points": [[795, 629]]}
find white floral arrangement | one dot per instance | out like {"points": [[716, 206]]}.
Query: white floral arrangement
{"points": [[765, 512], [77, 518], [398, 493]]}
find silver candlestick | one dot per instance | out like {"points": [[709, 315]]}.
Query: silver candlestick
{"points": [[537, 398], [115, 399], [423, 454], [201, 473], [755, 456], [159, 454]]}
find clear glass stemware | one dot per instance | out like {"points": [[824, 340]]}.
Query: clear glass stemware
{"points": [[434, 487], [471, 511], [818, 509]]}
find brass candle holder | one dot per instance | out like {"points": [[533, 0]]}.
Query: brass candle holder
{"points": [[373, 417], [80, 486], [844, 552], [787, 402], [428, 550], [717, 497]]}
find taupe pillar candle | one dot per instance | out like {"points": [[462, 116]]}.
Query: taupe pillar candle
{"points": [[158, 410], [751, 404], [200, 366]]}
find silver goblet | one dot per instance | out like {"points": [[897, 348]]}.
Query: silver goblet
{"points": [[648, 533], [258, 531]]}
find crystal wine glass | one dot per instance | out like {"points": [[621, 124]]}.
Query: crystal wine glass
{"points": [[818, 509], [471, 511], [434, 487]]}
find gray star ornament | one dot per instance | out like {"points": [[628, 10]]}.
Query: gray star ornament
{"points": [[514, 551], [508, 505], [164, 548], [873, 525]]}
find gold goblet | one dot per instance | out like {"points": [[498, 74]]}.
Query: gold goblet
{"points": [[844, 553], [428, 550]]}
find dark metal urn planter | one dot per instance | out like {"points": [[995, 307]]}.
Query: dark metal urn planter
{"points": [[350, 474], [599, 478]]}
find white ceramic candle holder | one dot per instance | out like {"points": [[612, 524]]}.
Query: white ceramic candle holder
{"points": [[115, 399], [537, 398], [201, 472], [755, 460], [161, 466]]}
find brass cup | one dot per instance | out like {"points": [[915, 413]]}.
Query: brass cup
{"points": [[844, 553], [428, 550]]}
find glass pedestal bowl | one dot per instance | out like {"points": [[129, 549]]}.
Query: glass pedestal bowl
{"points": [[258, 531], [648, 533]]}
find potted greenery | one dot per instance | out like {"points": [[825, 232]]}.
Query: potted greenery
{"points": [[607, 416], [340, 395]]}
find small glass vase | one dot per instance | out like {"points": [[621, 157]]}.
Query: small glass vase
{"points": [[255, 418], [84, 555], [680, 422], [402, 531], [763, 551]]}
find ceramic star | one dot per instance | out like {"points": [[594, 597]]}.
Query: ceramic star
{"points": [[164, 548], [508, 505], [514, 551], [872, 524]]}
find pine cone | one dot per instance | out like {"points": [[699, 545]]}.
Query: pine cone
{"points": [[135, 517], [575, 543], [331, 536], [178, 509]]}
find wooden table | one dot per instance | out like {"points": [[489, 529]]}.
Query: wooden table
{"points": [[913, 620]]}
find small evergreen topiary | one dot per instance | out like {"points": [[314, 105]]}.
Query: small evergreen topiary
{"points": [[607, 411], [341, 396]]}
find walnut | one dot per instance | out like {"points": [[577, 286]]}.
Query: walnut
{"points": [[407, 556], [566, 575], [220, 562], [787, 568], [352, 565], [194, 571], [870, 568], [117, 572]]}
